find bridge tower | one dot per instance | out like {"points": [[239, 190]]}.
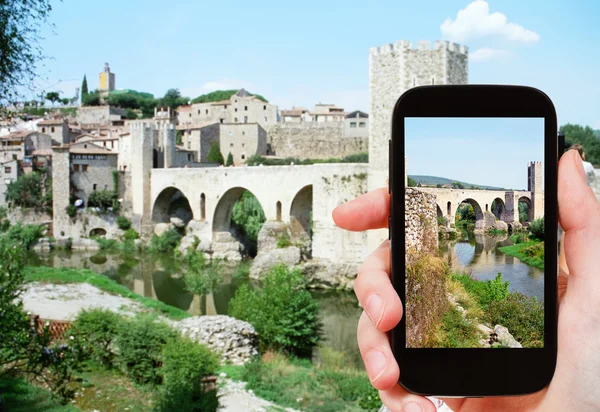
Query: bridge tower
{"points": [[534, 185], [393, 69], [142, 139]]}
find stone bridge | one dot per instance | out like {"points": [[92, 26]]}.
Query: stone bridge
{"points": [[502, 204]]}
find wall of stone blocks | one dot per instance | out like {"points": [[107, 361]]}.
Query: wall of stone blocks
{"points": [[420, 221]]}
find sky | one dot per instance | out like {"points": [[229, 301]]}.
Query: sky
{"points": [[299, 54], [483, 151]]}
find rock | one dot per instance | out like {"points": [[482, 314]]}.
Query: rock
{"points": [[265, 260], [161, 228], [187, 242], [505, 338], [225, 246], [486, 223], [487, 331], [515, 227], [84, 244], [500, 225], [177, 222], [325, 274], [235, 340], [137, 242], [195, 227], [43, 245], [270, 233]]}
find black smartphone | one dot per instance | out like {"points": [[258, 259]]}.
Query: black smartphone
{"points": [[473, 229]]}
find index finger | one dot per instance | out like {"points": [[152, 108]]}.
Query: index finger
{"points": [[368, 211]]}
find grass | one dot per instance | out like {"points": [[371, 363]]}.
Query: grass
{"points": [[496, 232], [290, 382], [60, 276], [18, 395], [108, 390], [456, 332], [530, 253]]}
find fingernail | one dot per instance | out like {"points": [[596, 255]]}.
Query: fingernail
{"points": [[413, 407], [374, 307], [377, 364]]}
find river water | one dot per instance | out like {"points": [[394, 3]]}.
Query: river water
{"points": [[157, 277]]}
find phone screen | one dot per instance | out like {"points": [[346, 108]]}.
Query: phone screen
{"points": [[474, 232]]}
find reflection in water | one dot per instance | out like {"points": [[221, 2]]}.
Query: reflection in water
{"points": [[480, 255], [158, 277]]}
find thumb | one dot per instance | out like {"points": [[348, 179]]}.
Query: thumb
{"points": [[579, 215]]}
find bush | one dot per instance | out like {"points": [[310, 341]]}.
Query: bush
{"points": [[98, 329], [123, 223], [166, 242], [537, 228], [248, 217], [71, 211], [24, 235], [200, 278], [284, 241], [283, 312], [106, 244], [214, 154], [520, 238], [102, 199], [27, 191], [4, 225], [522, 315], [131, 234], [185, 363], [535, 251], [141, 342], [496, 289]]}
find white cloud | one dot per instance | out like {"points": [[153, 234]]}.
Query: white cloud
{"points": [[475, 21], [485, 54]]}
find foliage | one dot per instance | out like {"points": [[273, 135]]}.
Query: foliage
{"points": [[456, 332], [284, 241], [214, 154], [53, 97], [84, 87], [229, 161], [200, 278], [173, 99], [411, 182], [102, 199], [520, 238], [106, 244], [130, 235], [457, 185], [4, 225], [133, 100], [256, 160], [97, 329], [24, 236], [140, 342], [523, 212], [21, 22], [71, 211], [219, 95], [185, 363], [537, 228], [496, 289], [522, 315], [441, 220], [166, 242], [466, 212], [530, 253], [123, 223], [27, 191], [283, 312], [19, 395], [91, 99], [248, 217], [586, 137], [242, 271], [62, 276]]}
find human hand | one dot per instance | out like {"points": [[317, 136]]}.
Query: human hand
{"points": [[576, 382]]}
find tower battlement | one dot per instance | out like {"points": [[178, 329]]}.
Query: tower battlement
{"points": [[422, 45]]}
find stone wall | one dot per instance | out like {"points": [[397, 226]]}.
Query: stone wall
{"points": [[314, 140], [83, 223], [28, 217], [98, 114], [242, 141], [97, 176], [420, 221]]}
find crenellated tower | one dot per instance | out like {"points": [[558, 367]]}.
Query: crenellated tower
{"points": [[534, 185]]}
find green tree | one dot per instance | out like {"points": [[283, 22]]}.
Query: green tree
{"points": [[21, 22], [214, 154], [91, 99], [53, 97], [411, 182], [65, 101], [457, 185], [219, 95], [229, 160], [248, 217], [84, 87], [586, 137], [173, 99], [27, 191]]}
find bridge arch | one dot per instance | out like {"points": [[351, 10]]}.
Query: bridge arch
{"points": [[476, 208], [498, 207], [171, 202], [527, 201], [301, 211]]}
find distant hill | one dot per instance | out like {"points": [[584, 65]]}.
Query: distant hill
{"points": [[435, 180], [219, 95]]}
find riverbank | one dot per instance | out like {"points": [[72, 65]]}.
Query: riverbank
{"points": [[530, 253]]}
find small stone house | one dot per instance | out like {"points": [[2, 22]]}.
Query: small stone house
{"points": [[91, 168], [57, 129]]}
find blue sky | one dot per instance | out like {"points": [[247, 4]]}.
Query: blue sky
{"points": [[484, 151], [302, 53]]}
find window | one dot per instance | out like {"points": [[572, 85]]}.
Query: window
{"points": [[221, 120], [104, 143], [230, 131], [246, 108], [236, 101], [265, 107], [112, 144], [235, 120], [278, 206], [52, 129], [225, 106], [230, 144], [14, 157], [265, 118], [206, 111], [189, 145], [362, 124], [198, 111], [245, 119], [235, 109], [243, 144], [243, 156], [7, 169], [84, 168], [105, 187], [43, 130], [352, 124], [243, 133], [189, 157], [76, 168], [203, 206], [94, 187], [190, 115]]}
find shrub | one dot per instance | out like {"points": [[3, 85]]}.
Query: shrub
{"points": [[27, 190], [537, 228], [284, 241], [131, 234], [4, 225], [496, 289], [98, 329], [71, 211], [24, 235], [102, 199], [3, 212], [141, 342], [229, 161], [520, 238], [185, 363], [106, 244], [522, 315], [283, 312], [165, 242], [248, 217], [123, 223], [214, 154], [441, 220], [200, 278]]}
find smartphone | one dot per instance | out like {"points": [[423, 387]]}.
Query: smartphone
{"points": [[473, 238]]}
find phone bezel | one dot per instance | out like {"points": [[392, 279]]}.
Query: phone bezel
{"points": [[476, 372]]}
